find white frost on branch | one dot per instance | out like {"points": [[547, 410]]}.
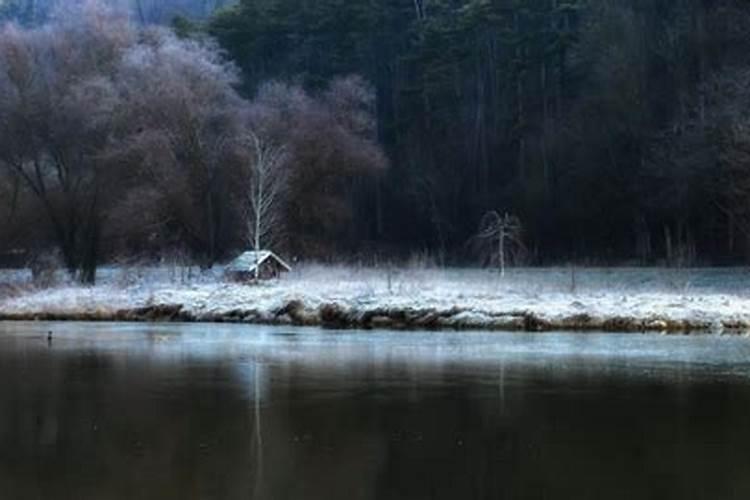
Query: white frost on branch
{"points": [[268, 183]]}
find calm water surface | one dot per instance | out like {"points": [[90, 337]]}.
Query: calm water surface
{"points": [[237, 412]]}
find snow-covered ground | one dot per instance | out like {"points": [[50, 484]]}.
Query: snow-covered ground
{"points": [[530, 299]]}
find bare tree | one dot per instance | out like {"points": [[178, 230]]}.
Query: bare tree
{"points": [[264, 196], [498, 238], [104, 122], [183, 119], [57, 100]]}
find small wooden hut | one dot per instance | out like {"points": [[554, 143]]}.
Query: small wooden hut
{"points": [[268, 266]]}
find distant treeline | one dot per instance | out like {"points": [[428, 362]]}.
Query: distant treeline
{"points": [[614, 129]]}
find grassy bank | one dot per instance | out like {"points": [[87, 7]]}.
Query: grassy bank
{"points": [[622, 300]]}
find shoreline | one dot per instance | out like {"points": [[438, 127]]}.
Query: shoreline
{"points": [[423, 299], [334, 316]]}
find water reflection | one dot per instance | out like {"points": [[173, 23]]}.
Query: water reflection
{"points": [[210, 412]]}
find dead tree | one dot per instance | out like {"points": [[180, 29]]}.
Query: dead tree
{"points": [[499, 238]]}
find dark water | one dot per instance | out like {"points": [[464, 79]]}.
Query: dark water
{"points": [[224, 412]]}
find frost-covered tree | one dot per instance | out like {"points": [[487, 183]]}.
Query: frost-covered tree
{"points": [[102, 119], [57, 99], [35, 12], [182, 120], [264, 194], [164, 11], [332, 153], [128, 138], [499, 237]]}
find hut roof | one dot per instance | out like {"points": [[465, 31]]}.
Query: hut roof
{"points": [[248, 260]]}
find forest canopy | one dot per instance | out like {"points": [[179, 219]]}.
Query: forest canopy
{"points": [[614, 131], [120, 141]]}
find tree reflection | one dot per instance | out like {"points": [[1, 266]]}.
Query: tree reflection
{"points": [[121, 424]]}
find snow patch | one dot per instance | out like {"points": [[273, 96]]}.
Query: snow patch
{"points": [[470, 298]]}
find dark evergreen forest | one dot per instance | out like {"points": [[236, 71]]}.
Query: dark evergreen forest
{"points": [[615, 130]]}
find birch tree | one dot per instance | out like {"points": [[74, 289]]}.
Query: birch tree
{"points": [[266, 189]]}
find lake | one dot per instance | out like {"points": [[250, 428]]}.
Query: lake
{"points": [[116, 411]]}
